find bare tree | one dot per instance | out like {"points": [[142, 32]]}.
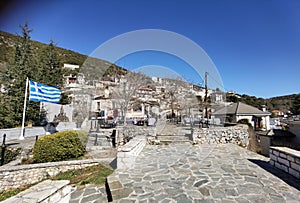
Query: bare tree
{"points": [[125, 92], [188, 103], [175, 89]]}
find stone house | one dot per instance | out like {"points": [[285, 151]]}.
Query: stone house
{"points": [[234, 112]]}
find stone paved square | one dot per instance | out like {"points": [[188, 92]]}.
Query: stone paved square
{"points": [[202, 173]]}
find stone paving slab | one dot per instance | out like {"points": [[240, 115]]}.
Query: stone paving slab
{"points": [[201, 173], [89, 194]]}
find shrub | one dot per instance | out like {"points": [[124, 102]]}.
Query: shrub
{"points": [[60, 146], [245, 121]]}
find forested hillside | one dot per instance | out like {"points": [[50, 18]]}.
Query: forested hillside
{"points": [[9, 41], [284, 103]]}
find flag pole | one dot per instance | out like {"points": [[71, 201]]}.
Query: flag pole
{"points": [[24, 111]]}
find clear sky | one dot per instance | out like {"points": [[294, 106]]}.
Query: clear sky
{"points": [[255, 44]]}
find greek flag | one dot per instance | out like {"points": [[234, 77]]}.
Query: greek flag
{"points": [[43, 93]]}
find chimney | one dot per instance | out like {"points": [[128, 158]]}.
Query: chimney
{"points": [[264, 108]]}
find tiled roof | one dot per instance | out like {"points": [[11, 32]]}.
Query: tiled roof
{"points": [[241, 109]]}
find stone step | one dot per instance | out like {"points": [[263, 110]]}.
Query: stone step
{"points": [[102, 153], [173, 138], [175, 142]]}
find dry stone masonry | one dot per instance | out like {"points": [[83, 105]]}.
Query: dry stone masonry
{"points": [[220, 135], [286, 159], [131, 131]]}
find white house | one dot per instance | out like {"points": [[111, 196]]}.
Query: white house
{"points": [[235, 112]]}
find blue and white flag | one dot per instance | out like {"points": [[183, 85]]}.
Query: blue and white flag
{"points": [[43, 93]]}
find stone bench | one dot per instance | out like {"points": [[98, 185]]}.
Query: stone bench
{"points": [[286, 159], [126, 157], [46, 191], [128, 153]]}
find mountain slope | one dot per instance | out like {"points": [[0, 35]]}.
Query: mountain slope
{"points": [[9, 41]]}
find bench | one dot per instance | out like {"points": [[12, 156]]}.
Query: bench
{"points": [[129, 152]]}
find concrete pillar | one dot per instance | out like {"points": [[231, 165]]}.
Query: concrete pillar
{"points": [[268, 122], [143, 109], [265, 142]]}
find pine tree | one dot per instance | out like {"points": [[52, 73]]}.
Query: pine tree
{"points": [[296, 105], [15, 83], [51, 72]]}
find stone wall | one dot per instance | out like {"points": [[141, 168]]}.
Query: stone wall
{"points": [[47, 191], [21, 175], [126, 133], [286, 159], [220, 135]]}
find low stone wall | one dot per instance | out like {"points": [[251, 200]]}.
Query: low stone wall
{"points": [[128, 153], [286, 159], [21, 175], [46, 191], [220, 135], [131, 131]]}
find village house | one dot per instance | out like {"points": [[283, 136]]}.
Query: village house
{"points": [[277, 113], [235, 112]]}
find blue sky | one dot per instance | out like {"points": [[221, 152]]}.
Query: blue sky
{"points": [[254, 44]]}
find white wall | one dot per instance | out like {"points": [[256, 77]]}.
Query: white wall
{"points": [[54, 109]]}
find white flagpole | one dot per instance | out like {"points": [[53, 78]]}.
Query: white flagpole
{"points": [[24, 111]]}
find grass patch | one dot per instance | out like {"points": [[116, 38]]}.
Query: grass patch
{"points": [[96, 174], [90, 175], [12, 192]]}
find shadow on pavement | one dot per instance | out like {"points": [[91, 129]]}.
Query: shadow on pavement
{"points": [[113, 164], [289, 179], [11, 144]]}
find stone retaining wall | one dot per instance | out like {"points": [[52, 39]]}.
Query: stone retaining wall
{"points": [[286, 159], [220, 135], [131, 131], [46, 191], [21, 175], [129, 152]]}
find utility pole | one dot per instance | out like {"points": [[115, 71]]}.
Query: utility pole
{"points": [[205, 99]]}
